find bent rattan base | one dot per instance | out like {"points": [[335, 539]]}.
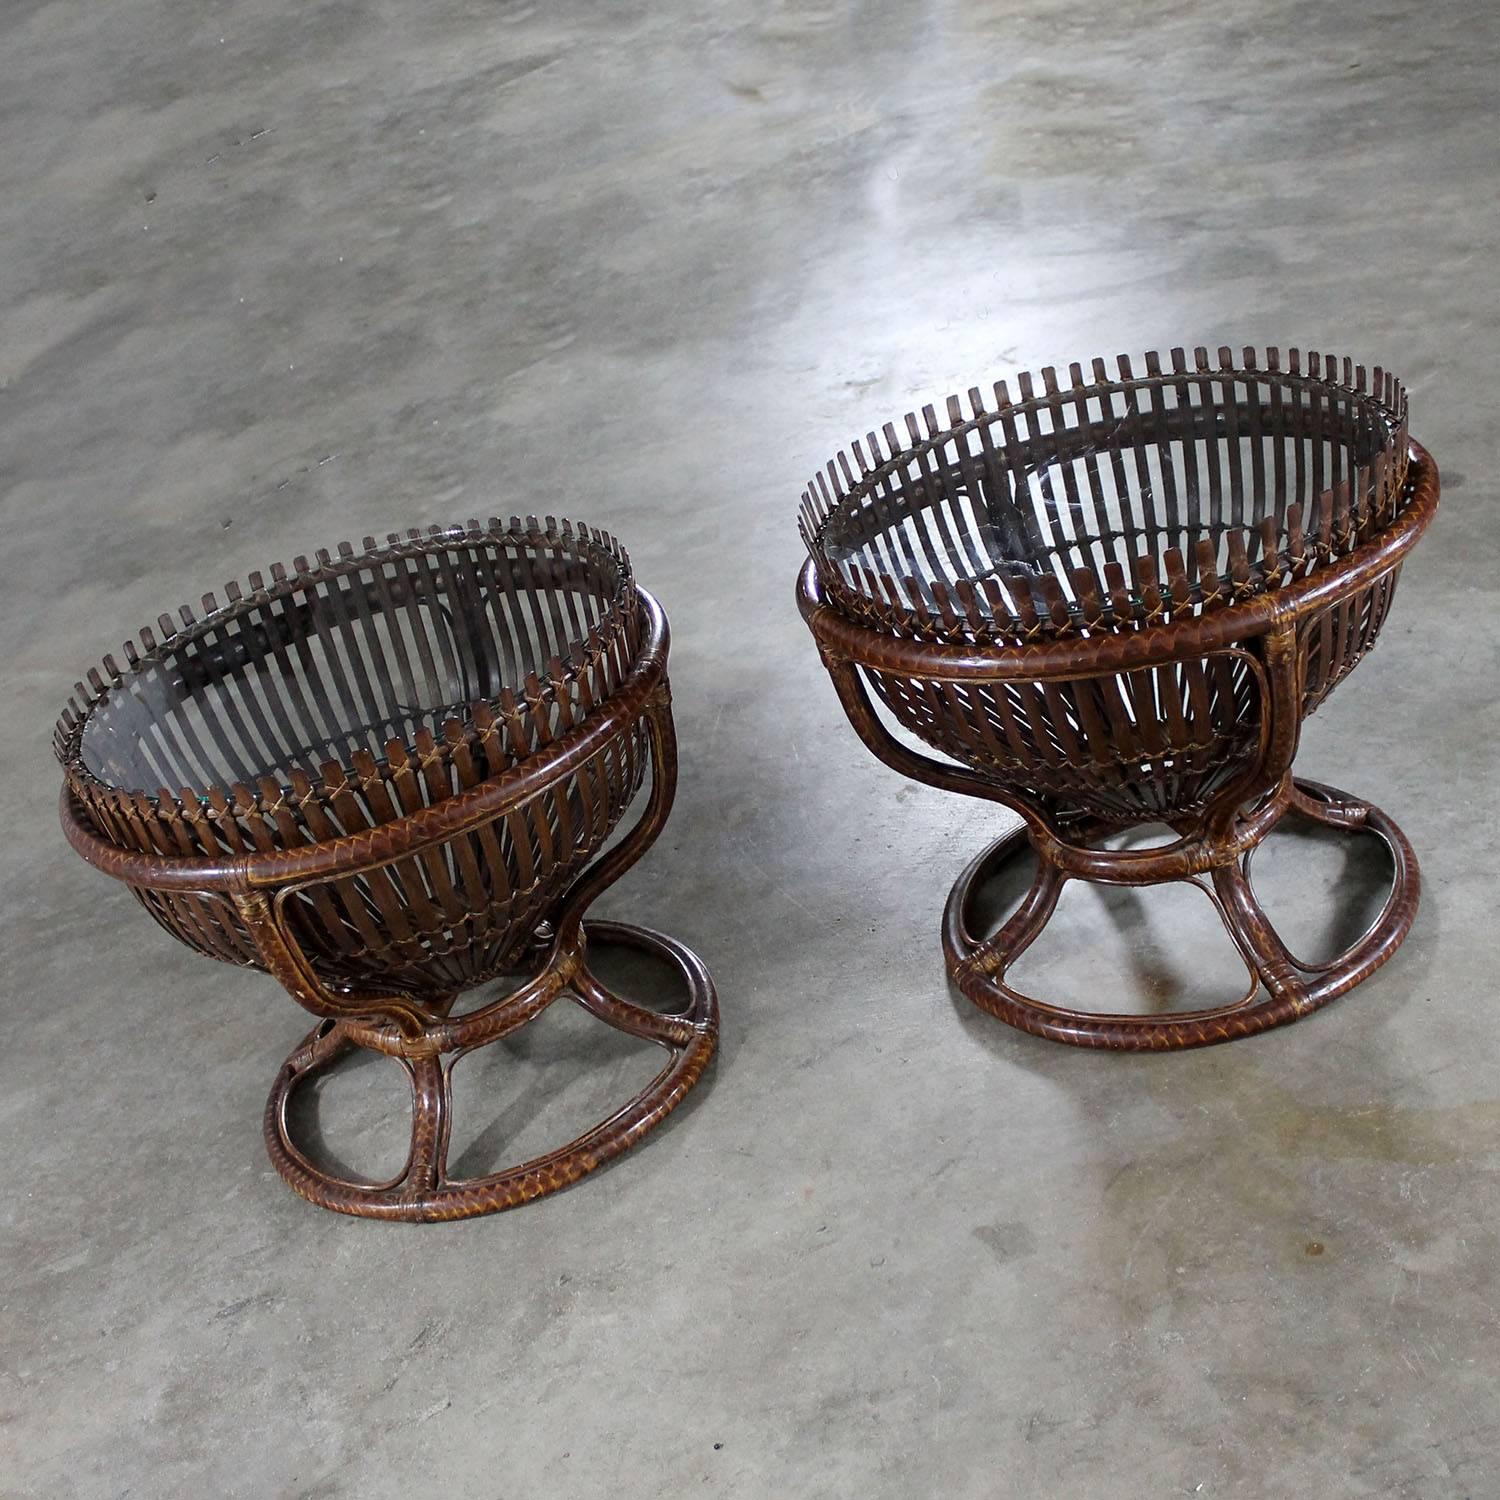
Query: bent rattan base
{"points": [[423, 1191], [1284, 987]]}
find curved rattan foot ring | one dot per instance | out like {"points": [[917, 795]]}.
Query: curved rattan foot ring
{"points": [[423, 1190], [386, 778], [1292, 986], [1111, 602]]}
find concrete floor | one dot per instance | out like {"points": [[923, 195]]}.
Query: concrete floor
{"points": [[275, 275]]}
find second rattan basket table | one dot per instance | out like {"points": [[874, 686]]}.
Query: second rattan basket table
{"points": [[1111, 601], [386, 777]]}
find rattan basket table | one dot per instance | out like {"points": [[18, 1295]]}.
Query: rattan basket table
{"points": [[385, 777], [1110, 602]]}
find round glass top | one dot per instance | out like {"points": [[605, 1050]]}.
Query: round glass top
{"points": [[1109, 500]]}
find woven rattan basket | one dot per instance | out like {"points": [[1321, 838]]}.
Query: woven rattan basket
{"points": [[1111, 601], [385, 777]]}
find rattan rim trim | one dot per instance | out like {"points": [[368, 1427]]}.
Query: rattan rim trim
{"points": [[455, 815], [611, 634], [845, 488], [856, 641]]}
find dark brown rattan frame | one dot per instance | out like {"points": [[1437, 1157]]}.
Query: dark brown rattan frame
{"points": [[378, 889], [1038, 684]]}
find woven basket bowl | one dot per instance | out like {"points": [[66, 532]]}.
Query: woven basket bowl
{"points": [[352, 693], [1103, 508]]}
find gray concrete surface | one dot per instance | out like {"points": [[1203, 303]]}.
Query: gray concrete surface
{"points": [[276, 274]]}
